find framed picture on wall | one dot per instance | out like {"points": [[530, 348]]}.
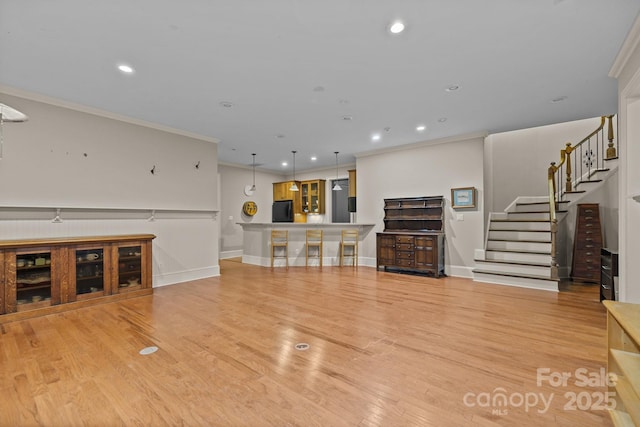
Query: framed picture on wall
{"points": [[463, 198]]}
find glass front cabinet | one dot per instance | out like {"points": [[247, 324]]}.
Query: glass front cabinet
{"points": [[41, 275], [312, 196]]}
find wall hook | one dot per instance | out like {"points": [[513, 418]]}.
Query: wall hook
{"points": [[198, 165], [153, 170], [57, 217]]}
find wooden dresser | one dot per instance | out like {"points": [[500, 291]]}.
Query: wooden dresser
{"points": [[623, 332], [587, 244], [413, 237]]}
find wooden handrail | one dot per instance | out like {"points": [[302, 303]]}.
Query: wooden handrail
{"points": [[553, 175]]}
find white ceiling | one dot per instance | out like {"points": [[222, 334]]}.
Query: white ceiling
{"points": [[294, 68]]}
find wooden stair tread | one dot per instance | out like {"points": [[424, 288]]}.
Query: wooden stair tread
{"points": [[588, 180], [526, 276]]}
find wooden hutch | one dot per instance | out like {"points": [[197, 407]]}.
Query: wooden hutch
{"points": [[413, 237]]}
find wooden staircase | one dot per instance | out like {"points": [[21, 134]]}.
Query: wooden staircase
{"points": [[518, 244]]}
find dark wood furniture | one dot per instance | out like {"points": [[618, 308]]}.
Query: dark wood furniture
{"points": [[587, 244], [413, 236], [43, 276], [608, 274]]}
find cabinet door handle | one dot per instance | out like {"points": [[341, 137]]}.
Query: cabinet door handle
{"points": [[588, 210], [604, 267], [605, 287]]}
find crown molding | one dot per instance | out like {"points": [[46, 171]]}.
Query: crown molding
{"points": [[447, 140], [37, 97], [630, 44]]}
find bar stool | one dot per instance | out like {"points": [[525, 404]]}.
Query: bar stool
{"points": [[314, 240], [349, 240], [280, 239]]}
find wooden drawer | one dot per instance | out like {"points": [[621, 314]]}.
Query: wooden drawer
{"points": [[404, 255], [404, 263], [404, 239], [404, 246]]}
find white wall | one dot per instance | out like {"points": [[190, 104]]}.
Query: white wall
{"points": [[626, 69], [519, 160], [429, 169], [44, 164], [233, 180]]}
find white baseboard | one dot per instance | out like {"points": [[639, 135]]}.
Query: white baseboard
{"points": [[458, 271], [230, 254], [185, 276]]}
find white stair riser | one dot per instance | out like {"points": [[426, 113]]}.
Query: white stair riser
{"points": [[520, 235], [517, 257], [533, 270], [537, 207], [529, 216], [519, 246], [523, 282], [513, 225]]}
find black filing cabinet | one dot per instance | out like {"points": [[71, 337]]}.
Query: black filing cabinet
{"points": [[608, 274]]}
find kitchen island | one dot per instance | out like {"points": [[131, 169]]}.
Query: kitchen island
{"points": [[257, 241]]}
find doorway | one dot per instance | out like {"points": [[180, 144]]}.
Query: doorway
{"points": [[340, 201]]}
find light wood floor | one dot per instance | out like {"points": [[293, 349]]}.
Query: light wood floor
{"points": [[385, 350]]}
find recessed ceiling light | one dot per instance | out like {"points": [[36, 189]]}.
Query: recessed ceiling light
{"points": [[127, 69], [420, 128], [347, 118], [226, 104], [442, 119], [396, 27], [375, 137], [452, 88], [284, 164], [314, 158]]}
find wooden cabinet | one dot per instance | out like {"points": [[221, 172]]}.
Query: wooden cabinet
{"points": [[40, 276], [312, 195], [608, 274], [623, 333], [413, 237], [281, 191], [587, 244]]}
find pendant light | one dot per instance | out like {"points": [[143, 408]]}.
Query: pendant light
{"points": [[253, 187], [294, 187], [336, 186]]}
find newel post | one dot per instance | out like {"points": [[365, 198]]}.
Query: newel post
{"points": [[611, 150], [566, 154]]}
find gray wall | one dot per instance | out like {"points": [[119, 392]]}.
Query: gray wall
{"points": [[44, 165], [429, 169]]}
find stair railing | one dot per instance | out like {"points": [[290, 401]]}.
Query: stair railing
{"points": [[587, 162]]}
